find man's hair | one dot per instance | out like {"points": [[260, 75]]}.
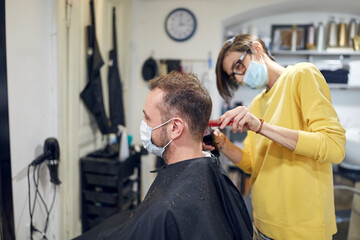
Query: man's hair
{"points": [[184, 96]]}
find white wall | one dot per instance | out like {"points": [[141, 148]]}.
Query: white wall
{"points": [[32, 81], [32, 76], [149, 36]]}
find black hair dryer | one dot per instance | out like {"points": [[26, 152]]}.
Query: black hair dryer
{"points": [[52, 155]]}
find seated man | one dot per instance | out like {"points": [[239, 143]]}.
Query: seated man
{"points": [[192, 197]]}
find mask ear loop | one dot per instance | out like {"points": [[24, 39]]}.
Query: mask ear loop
{"points": [[164, 147], [261, 59], [167, 144], [163, 124], [261, 56]]}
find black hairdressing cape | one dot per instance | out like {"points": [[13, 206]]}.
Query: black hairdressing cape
{"points": [[192, 199]]}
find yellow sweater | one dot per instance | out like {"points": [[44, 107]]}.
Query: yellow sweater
{"points": [[292, 192]]}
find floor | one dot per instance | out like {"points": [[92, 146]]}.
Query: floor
{"points": [[343, 204]]}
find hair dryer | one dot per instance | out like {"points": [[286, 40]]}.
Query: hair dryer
{"points": [[52, 154]]}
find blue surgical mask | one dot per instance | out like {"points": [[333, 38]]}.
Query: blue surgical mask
{"points": [[256, 75], [145, 133]]}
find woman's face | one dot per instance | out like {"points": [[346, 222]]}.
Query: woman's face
{"points": [[234, 64]]}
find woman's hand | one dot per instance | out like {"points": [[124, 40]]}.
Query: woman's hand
{"points": [[242, 119], [231, 151], [219, 140]]}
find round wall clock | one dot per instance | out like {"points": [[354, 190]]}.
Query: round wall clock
{"points": [[180, 24]]}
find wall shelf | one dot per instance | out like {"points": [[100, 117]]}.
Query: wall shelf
{"points": [[342, 86], [316, 53]]}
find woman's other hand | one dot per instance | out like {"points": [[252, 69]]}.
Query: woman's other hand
{"points": [[242, 119], [207, 147], [219, 139]]}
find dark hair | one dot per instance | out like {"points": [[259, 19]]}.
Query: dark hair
{"points": [[240, 43], [186, 97]]}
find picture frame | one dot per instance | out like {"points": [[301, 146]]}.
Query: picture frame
{"points": [[281, 36]]}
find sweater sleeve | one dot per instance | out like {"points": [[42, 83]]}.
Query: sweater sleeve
{"points": [[245, 163], [323, 137]]}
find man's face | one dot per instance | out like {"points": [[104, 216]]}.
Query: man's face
{"points": [[152, 117]]}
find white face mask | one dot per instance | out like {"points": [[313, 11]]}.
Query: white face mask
{"points": [[256, 75], [145, 133]]}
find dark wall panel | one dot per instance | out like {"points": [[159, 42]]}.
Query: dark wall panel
{"points": [[6, 201]]}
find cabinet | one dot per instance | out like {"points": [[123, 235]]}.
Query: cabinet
{"points": [[320, 58], [108, 186]]}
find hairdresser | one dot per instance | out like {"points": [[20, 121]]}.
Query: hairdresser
{"points": [[293, 138]]}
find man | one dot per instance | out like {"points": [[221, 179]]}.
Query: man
{"points": [[192, 196]]}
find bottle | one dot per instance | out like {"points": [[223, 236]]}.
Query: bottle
{"points": [[320, 37], [342, 38], [352, 32], [113, 145], [310, 39], [124, 153], [332, 33], [293, 38], [357, 43]]}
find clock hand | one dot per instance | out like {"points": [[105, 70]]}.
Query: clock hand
{"points": [[181, 21]]}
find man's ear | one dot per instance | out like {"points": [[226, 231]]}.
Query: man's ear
{"points": [[177, 128]]}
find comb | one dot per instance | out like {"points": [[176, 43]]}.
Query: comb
{"points": [[216, 123]]}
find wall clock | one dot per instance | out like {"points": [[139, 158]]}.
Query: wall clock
{"points": [[180, 24]]}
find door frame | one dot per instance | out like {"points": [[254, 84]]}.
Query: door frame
{"points": [[76, 136], [7, 229]]}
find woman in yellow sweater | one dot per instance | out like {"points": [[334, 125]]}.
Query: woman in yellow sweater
{"points": [[294, 137]]}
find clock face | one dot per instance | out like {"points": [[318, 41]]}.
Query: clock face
{"points": [[180, 24]]}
